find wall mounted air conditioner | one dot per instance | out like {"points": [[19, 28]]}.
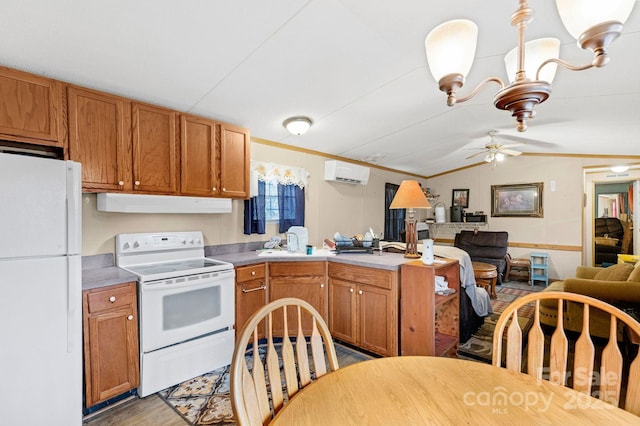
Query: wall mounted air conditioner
{"points": [[341, 171]]}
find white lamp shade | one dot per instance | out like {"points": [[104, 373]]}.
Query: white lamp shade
{"points": [[535, 53], [580, 15], [451, 47], [297, 125]]}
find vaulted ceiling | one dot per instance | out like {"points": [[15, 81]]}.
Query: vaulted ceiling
{"points": [[357, 68]]}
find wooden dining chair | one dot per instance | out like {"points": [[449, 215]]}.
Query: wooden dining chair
{"points": [[257, 389], [555, 363]]}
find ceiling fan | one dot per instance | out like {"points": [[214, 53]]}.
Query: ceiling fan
{"points": [[495, 152]]}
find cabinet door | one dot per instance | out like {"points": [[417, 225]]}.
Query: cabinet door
{"points": [[30, 108], [250, 296], [199, 171], [311, 289], [99, 138], [342, 310], [234, 161], [155, 149], [113, 354], [376, 320]]}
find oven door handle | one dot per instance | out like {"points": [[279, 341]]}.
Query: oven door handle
{"points": [[262, 287], [194, 285]]}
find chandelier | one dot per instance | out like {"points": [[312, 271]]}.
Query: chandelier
{"points": [[451, 48]]}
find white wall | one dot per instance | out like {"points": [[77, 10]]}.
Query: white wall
{"points": [[330, 207]]}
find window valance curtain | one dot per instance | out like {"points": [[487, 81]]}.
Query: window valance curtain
{"points": [[290, 181]]}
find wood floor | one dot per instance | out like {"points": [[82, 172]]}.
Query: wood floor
{"points": [[153, 411]]}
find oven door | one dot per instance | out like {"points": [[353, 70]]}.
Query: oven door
{"points": [[180, 309]]}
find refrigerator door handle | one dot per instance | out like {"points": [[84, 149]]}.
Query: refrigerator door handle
{"points": [[74, 301], [74, 207]]}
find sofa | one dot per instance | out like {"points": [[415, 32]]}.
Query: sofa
{"points": [[618, 285], [485, 246], [609, 232]]}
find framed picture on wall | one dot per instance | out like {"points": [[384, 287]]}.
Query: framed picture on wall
{"points": [[522, 200], [460, 197]]}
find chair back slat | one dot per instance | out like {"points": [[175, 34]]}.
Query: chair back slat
{"points": [[273, 368], [584, 357], [514, 344], [559, 351], [303, 354], [252, 406], [257, 393], [535, 348], [611, 368], [632, 403], [259, 383], [317, 351]]}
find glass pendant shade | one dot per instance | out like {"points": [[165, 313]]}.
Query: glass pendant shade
{"points": [[451, 47], [535, 53], [580, 15]]}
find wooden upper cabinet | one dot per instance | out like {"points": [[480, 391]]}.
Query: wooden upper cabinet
{"points": [[199, 163], [100, 138], [155, 149], [30, 108], [234, 161]]}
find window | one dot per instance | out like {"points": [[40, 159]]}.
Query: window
{"points": [[393, 218], [271, 201]]}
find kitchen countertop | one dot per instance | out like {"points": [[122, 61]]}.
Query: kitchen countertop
{"points": [[99, 272]]}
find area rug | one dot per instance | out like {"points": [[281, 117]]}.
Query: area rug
{"points": [[205, 400], [480, 344]]}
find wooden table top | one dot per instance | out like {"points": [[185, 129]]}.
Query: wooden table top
{"points": [[483, 267], [429, 390]]}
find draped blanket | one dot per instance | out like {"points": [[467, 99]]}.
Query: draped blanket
{"points": [[480, 299]]}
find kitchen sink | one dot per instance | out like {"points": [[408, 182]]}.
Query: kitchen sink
{"points": [[284, 253]]}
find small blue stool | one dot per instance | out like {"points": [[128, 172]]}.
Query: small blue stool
{"points": [[539, 268]]}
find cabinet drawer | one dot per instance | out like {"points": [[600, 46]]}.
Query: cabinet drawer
{"points": [[251, 272], [112, 297], [376, 277], [288, 269]]}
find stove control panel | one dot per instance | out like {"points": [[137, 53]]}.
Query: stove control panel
{"points": [[154, 242]]}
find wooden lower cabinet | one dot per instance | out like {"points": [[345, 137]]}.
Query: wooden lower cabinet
{"points": [[303, 280], [430, 322], [110, 332], [363, 307], [251, 293]]}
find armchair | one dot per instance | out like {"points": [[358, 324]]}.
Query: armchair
{"points": [[609, 233], [618, 285], [485, 246]]}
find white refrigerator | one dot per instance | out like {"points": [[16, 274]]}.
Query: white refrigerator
{"points": [[40, 291]]}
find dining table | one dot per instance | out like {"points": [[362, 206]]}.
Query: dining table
{"points": [[418, 390]]}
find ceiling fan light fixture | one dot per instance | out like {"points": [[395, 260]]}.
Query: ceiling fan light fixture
{"points": [[489, 157], [297, 125], [594, 23], [499, 156]]}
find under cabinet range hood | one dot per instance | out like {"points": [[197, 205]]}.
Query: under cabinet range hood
{"points": [[138, 203], [341, 171]]}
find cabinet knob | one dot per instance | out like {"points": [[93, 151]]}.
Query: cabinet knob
{"points": [[359, 291], [214, 188], [321, 285], [112, 299], [137, 183], [224, 189], [130, 317], [121, 182], [253, 272], [350, 290]]}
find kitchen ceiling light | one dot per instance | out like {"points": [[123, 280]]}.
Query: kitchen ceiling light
{"points": [[297, 125], [451, 46]]}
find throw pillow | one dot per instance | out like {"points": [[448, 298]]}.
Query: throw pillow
{"points": [[635, 274], [618, 272]]}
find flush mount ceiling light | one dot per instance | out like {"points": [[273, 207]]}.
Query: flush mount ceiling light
{"points": [[619, 169], [451, 47], [297, 125]]}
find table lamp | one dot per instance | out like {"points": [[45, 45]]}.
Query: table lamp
{"points": [[410, 196]]}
